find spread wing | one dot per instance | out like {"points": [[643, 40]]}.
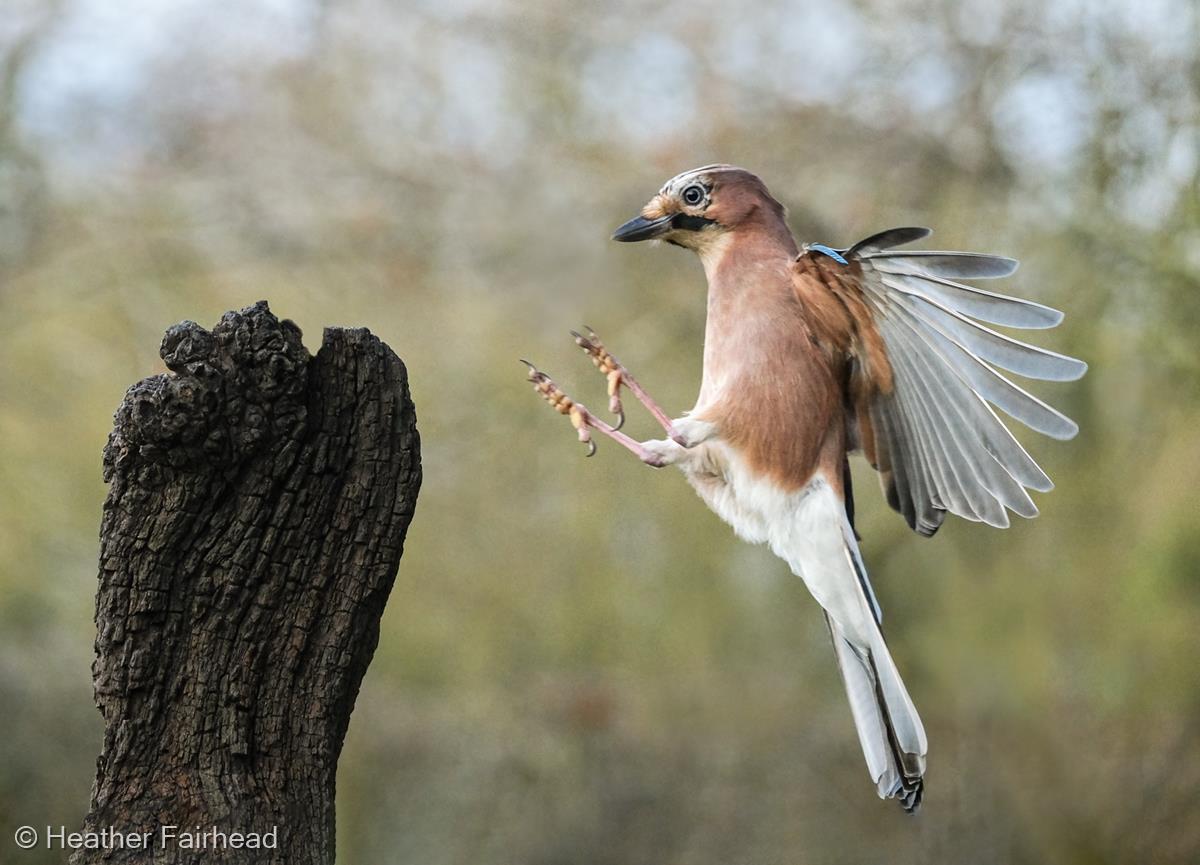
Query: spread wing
{"points": [[928, 424]]}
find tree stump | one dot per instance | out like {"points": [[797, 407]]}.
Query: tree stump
{"points": [[258, 503]]}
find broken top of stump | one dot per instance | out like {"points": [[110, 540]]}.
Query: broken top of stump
{"points": [[258, 503], [233, 390]]}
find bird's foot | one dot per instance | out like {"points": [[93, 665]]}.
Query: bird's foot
{"points": [[584, 421], [618, 376]]}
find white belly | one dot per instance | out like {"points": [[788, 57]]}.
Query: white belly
{"points": [[807, 528]]}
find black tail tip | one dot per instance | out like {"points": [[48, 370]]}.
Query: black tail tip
{"points": [[910, 795]]}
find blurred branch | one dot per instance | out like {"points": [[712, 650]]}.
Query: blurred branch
{"points": [[24, 193], [15, 61]]}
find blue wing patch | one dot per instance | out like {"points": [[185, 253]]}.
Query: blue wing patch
{"points": [[825, 250]]}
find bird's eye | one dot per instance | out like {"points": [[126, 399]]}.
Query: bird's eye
{"points": [[693, 195]]}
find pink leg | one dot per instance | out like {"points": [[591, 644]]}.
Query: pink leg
{"points": [[584, 421], [617, 376]]}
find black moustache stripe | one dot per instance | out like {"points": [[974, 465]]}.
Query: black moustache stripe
{"points": [[691, 223]]}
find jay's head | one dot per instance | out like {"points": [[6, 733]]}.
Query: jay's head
{"points": [[699, 208]]}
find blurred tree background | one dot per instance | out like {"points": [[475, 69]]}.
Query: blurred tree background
{"points": [[580, 664]]}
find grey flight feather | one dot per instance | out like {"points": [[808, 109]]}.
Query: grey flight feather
{"points": [[975, 302], [946, 449], [952, 265]]}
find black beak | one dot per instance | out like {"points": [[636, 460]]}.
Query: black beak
{"points": [[641, 228]]}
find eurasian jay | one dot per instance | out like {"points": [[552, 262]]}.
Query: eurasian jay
{"points": [[813, 353]]}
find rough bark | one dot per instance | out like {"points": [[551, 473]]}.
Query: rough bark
{"points": [[258, 503]]}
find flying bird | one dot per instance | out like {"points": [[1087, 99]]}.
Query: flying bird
{"points": [[812, 353]]}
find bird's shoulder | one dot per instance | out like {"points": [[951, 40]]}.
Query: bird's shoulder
{"points": [[834, 307]]}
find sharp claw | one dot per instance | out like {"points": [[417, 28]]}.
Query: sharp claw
{"points": [[551, 392], [584, 343], [579, 420], [620, 413], [534, 372]]}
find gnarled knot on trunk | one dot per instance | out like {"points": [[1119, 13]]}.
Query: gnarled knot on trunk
{"points": [[231, 391]]}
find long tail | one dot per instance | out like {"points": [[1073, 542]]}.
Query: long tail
{"points": [[818, 541], [889, 728]]}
